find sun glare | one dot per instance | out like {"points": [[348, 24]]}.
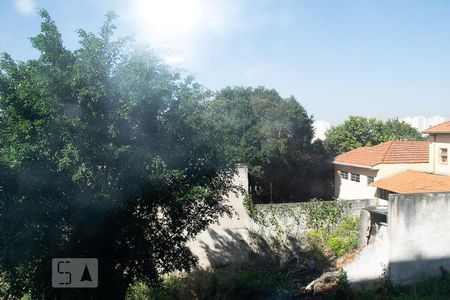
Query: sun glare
{"points": [[169, 21]]}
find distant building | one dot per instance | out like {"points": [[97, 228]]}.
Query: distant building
{"points": [[401, 167]]}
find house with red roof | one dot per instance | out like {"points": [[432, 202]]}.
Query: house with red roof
{"points": [[401, 167]]}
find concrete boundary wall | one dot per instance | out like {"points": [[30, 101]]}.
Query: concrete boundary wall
{"points": [[226, 241], [292, 218], [419, 235], [415, 243]]}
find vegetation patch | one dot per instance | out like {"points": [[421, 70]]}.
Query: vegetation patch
{"points": [[339, 240], [226, 283], [430, 287]]}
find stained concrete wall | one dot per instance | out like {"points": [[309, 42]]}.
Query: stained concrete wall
{"points": [[419, 235], [292, 216], [415, 243], [369, 264], [228, 240]]}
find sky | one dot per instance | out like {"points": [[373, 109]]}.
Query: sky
{"points": [[382, 59]]}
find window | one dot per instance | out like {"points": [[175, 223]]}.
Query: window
{"points": [[383, 194], [344, 175], [443, 155], [370, 179], [356, 177]]}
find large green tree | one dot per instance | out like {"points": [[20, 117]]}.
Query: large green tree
{"points": [[104, 153], [274, 137], [359, 132]]}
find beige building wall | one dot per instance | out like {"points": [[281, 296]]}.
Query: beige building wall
{"points": [[386, 170], [437, 142]]}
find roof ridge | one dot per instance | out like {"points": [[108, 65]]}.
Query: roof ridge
{"points": [[387, 151], [439, 175], [408, 141]]}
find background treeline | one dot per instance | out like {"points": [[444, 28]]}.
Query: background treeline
{"points": [[274, 137], [358, 132]]}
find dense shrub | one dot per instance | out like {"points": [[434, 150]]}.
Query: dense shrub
{"points": [[139, 291], [338, 240], [4, 286], [323, 214], [345, 237], [227, 283]]}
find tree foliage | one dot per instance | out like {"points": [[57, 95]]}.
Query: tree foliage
{"points": [[274, 137], [358, 132], [104, 153], [395, 129]]}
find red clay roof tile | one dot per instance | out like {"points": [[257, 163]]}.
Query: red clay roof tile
{"points": [[412, 182], [441, 128], [388, 153]]}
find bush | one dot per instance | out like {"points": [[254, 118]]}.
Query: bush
{"points": [[250, 206], [323, 214], [139, 291], [4, 287], [344, 238], [26, 297], [338, 240], [227, 283]]}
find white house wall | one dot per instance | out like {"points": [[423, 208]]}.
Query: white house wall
{"points": [[348, 189]]}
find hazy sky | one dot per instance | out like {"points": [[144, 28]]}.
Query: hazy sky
{"points": [[338, 58]]}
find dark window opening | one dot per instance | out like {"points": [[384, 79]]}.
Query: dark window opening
{"points": [[356, 177], [384, 194]]}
